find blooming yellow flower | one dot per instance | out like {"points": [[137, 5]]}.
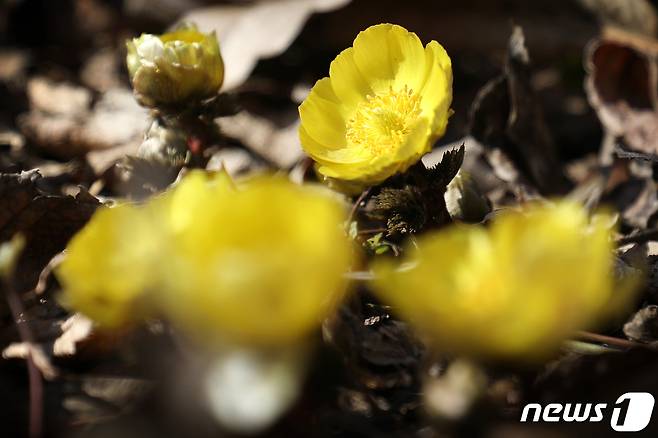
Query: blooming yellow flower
{"points": [[109, 265], [516, 290], [385, 102], [175, 68], [262, 263]]}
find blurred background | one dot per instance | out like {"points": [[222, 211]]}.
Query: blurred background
{"points": [[66, 108], [275, 50]]}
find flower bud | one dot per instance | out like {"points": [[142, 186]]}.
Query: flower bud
{"points": [[175, 68], [164, 144]]}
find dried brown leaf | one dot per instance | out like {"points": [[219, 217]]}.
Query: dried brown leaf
{"points": [[63, 122], [418, 203], [21, 350], [74, 330], [507, 115], [47, 221], [622, 86]]}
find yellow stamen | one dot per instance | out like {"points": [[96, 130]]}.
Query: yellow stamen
{"points": [[382, 123]]}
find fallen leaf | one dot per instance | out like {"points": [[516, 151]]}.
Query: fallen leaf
{"points": [[382, 350], [99, 398], [58, 98], [63, 122], [115, 120], [508, 116], [235, 161], [21, 350], [621, 86], [251, 31], [638, 15], [139, 178], [161, 11], [101, 71], [475, 162], [120, 391], [103, 159], [46, 221], [74, 330], [643, 326], [276, 144]]}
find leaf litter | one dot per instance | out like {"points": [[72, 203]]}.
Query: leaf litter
{"points": [[69, 143]]}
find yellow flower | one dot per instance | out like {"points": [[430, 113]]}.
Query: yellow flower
{"points": [[180, 208], [261, 263], [175, 68], [109, 265], [515, 290], [385, 102], [258, 264]]}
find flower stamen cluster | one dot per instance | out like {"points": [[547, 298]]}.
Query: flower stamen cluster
{"points": [[382, 122]]}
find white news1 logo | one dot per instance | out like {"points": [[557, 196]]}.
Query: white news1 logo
{"points": [[631, 412]]}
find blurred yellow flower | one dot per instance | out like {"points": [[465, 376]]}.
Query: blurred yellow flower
{"points": [[175, 68], [385, 102], [515, 290], [109, 265], [180, 208], [259, 264]]}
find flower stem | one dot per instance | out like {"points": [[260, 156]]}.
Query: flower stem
{"points": [[617, 342]]}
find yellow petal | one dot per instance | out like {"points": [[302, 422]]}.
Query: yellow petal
{"points": [[437, 89], [369, 172], [389, 55], [416, 144], [324, 154], [262, 266], [323, 119], [110, 265], [348, 83]]}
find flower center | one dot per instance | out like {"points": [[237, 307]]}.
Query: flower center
{"points": [[382, 123]]}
